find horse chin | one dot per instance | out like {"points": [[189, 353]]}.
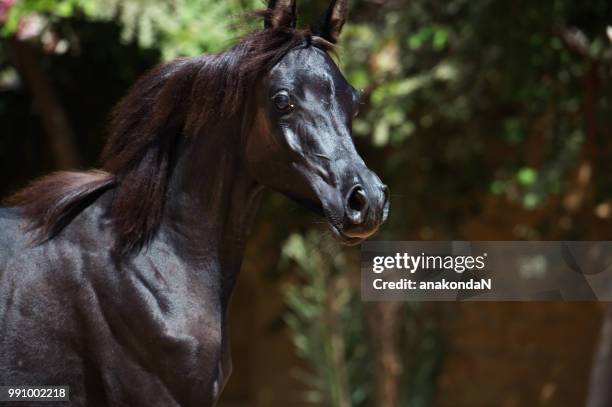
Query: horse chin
{"points": [[337, 231], [344, 239], [321, 210]]}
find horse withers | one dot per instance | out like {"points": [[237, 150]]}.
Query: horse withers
{"points": [[116, 281]]}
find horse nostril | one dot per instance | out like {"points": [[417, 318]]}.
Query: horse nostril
{"points": [[357, 199], [357, 204]]}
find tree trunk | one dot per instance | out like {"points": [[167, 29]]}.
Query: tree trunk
{"points": [[384, 333], [600, 389], [57, 128]]}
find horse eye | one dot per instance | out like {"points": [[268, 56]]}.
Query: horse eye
{"points": [[282, 101]]}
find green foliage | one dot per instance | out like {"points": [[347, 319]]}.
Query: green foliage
{"points": [[422, 349], [177, 28], [195, 26], [55, 9], [327, 321], [464, 89], [527, 176]]}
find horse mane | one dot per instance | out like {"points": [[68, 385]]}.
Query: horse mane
{"points": [[183, 98]]}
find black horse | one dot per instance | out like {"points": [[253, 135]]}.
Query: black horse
{"points": [[118, 284]]}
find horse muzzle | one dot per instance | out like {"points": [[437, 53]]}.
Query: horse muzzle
{"points": [[365, 207]]}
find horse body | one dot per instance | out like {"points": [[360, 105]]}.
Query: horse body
{"points": [[116, 282], [145, 330], [72, 315]]}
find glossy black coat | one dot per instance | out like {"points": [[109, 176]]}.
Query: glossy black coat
{"points": [[150, 328]]}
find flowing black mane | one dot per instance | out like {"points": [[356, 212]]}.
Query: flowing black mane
{"points": [[184, 98]]}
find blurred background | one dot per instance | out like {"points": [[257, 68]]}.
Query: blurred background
{"points": [[489, 120]]}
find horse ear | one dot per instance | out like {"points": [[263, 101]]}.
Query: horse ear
{"points": [[330, 24], [281, 13]]}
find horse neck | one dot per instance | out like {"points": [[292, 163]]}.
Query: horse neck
{"points": [[212, 203]]}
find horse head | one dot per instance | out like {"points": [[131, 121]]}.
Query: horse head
{"points": [[301, 140]]}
